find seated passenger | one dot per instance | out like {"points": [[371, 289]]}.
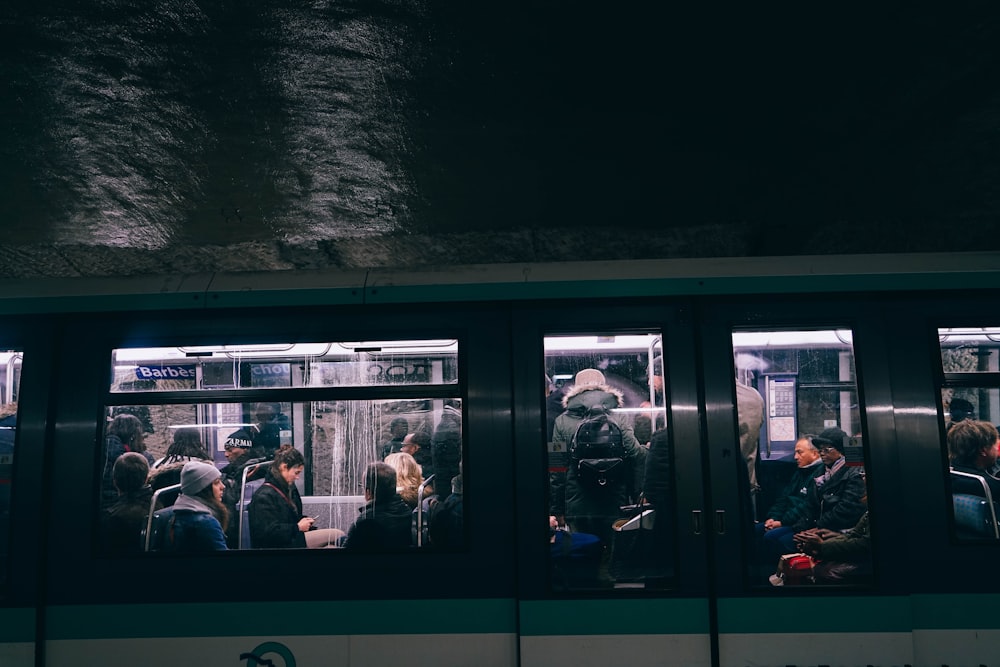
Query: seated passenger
{"points": [[276, 519], [385, 519], [575, 558], [123, 522], [199, 517], [775, 533], [841, 557], [185, 447], [446, 524], [972, 446], [408, 477], [835, 499]]}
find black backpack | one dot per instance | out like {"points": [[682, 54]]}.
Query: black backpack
{"points": [[597, 450]]}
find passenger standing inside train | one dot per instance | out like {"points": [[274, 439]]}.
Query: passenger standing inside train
{"points": [[199, 517], [446, 447], [264, 434], [186, 446], [972, 446], [122, 523], [589, 508], [241, 454], [276, 518], [124, 435], [385, 521], [959, 410], [835, 499], [657, 489], [398, 428], [775, 535]]}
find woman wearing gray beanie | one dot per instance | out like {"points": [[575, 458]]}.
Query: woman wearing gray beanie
{"points": [[199, 515]]}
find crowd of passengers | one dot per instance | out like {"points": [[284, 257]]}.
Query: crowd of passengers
{"points": [[204, 514], [822, 510]]}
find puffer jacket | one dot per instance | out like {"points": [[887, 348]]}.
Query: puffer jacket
{"points": [[570, 498]]}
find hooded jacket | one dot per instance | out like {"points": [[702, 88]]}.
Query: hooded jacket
{"points": [[570, 498]]}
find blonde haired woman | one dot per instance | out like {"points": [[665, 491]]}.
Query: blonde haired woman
{"points": [[409, 477]]}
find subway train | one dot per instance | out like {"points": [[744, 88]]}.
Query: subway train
{"points": [[711, 376]]}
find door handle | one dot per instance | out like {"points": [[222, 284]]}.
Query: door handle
{"points": [[696, 521], [720, 522]]}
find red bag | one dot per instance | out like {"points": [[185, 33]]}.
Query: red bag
{"points": [[796, 569]]}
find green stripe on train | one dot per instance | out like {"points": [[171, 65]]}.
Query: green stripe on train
{"points": [[860, 614], [614, 617], [342, 617], [17, 625]]}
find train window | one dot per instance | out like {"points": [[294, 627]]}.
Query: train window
{"points": [[970, 404], [187, 467], [610, 520], [10, 380], [344, 364], [799, 424]]}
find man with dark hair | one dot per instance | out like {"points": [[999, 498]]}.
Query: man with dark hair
{"points": [[398, 428], [384, 524]]}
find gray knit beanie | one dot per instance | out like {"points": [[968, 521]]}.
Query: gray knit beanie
{"points": [[196, 475]]}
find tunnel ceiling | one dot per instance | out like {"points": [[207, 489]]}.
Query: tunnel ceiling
{"points": [[159, 137]]}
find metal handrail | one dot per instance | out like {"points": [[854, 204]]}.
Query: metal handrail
{"points": [[152, 510], [420, 509]]}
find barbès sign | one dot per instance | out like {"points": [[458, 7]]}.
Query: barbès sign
{"points": [[165, 372]]}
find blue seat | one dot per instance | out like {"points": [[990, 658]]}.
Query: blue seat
{"points": [[972, 506], [158, 534]]}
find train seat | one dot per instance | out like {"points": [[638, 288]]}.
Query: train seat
{"points": [[973, 508]]}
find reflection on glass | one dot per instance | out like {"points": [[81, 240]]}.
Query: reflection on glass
{"points": [[970, 349], [10, 380], [802, 470], [355, 364], [605, 417]]}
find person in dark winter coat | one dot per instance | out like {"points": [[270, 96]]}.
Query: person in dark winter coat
{"points": [[276, 519], [835, 498], [123, 522], [775, 534], [384, 524], [124, 435], [241, 454], [186, 446], [199, 517], [586, 509], [842, 557], [446, 447], [398, 428]]}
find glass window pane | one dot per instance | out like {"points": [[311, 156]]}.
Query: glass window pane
{"points": [[803, 457], [970, 350], [309, 466], [344, 364], [10, 380], [608, 448]]}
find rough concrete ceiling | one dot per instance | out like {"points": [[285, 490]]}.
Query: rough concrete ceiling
{"points": [[165, 137]]}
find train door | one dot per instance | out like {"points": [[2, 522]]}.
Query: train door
{"points": [[792, 449], [610, 490]]}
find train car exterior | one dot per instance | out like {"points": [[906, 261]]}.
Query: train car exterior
{"points": [[734, 389]]}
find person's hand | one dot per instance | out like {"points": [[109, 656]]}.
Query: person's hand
{"points": [[306, 523], [771, 524]]}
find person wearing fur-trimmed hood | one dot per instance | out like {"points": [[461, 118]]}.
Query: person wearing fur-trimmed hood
{"points": [[585, 509]]}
